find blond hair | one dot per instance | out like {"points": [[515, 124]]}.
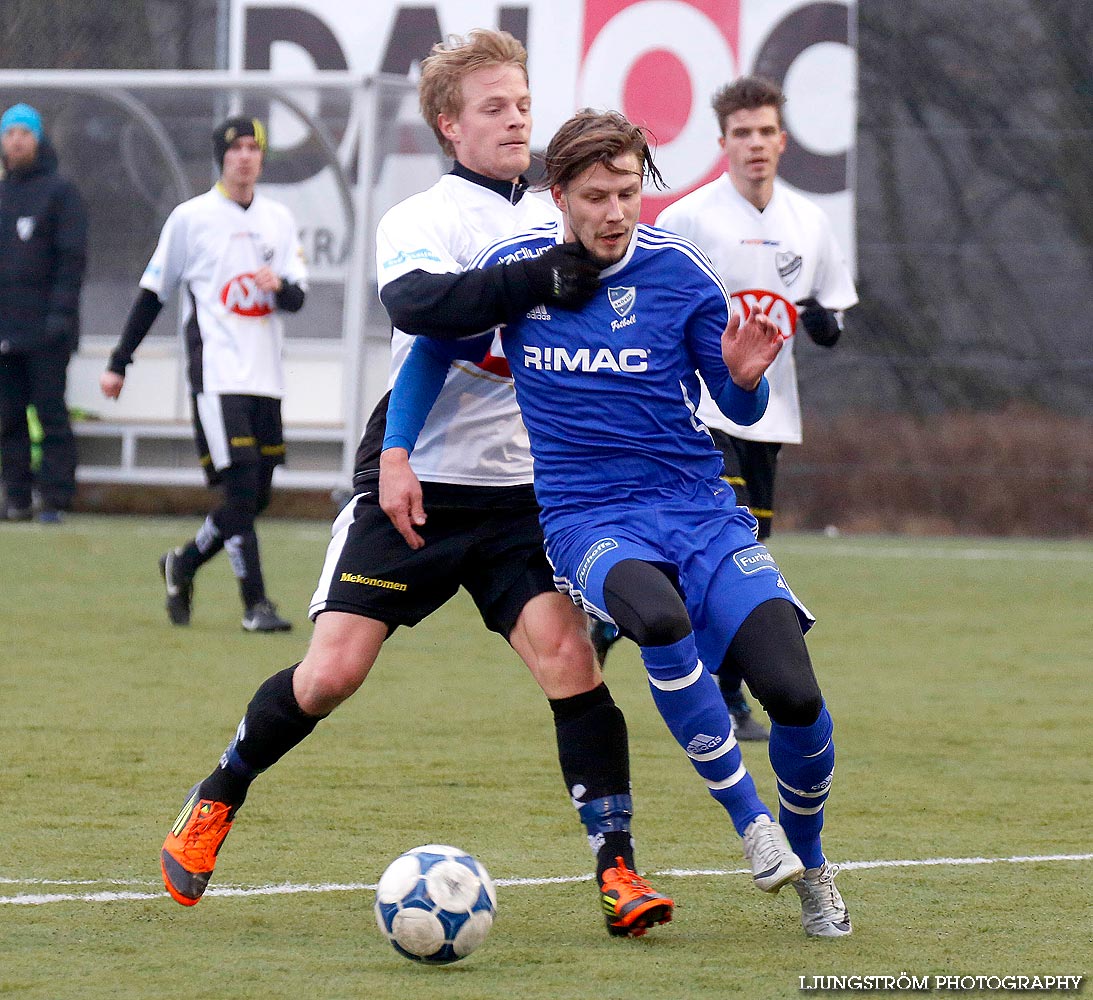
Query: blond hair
{"points": [[440, 91]]}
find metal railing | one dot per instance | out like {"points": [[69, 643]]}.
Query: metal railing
{"points": [[154, 103]]}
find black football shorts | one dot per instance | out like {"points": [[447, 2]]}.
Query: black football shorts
{"points": [[750, 468], [497, 555], [233, 429]]}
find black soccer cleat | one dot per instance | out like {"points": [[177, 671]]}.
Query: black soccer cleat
{"points": [[179, 587], [263, 617], [746, 726]]}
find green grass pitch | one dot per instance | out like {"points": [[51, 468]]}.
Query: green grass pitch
{"points": [[957, 671]]}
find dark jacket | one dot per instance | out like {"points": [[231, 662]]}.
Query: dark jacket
{"points": [[43, 250]]}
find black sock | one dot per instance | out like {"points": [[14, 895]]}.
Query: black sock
{"points": [[592, 744], [247, 566], [273, 725], [199, 549], [224, 785], [616, 845], [594, 755]]}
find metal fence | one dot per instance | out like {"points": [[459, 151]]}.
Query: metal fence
{"points": [[342, 150], [965, 373]]}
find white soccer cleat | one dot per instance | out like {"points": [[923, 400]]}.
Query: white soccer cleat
{"points": [[823, 912], [772, 860]]}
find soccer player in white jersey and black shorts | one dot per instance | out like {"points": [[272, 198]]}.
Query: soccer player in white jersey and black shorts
{"points": [[640, 530], [237, 255], [482, 530], [776, 253]]}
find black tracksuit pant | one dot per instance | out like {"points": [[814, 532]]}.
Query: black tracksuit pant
{"points": [[38, 378]]}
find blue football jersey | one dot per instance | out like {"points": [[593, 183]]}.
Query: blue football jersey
{"points": [[609, 393]]}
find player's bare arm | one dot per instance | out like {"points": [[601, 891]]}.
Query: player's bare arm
{"points": [[749, 348], [267, 281], [400, 495], [288, 296], [111, 384]]}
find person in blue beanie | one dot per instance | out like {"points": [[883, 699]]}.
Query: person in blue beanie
{"points": [[43, 252]]}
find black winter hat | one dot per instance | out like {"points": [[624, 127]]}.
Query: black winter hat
{"points": [[228, 131]]}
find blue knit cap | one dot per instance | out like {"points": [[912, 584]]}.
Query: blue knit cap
{"points": [[22, 114]]}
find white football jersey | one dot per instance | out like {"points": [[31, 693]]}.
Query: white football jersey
{"points": [[474, 435], [232, 331], [768, 261]]}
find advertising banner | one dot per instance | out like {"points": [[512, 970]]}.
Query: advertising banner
{"points": [[657, 61]]}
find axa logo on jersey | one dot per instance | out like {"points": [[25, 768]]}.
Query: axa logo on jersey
{"points": [[243, 297], [781, 310], [585, 359]]}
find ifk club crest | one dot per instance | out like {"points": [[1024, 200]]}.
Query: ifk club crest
{"points": [[622, 299]]}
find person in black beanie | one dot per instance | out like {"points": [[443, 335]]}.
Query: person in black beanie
{"points": [[236, 254], [43, 252]]}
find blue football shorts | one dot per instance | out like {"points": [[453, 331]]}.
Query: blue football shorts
{"points": [[697, 534]]}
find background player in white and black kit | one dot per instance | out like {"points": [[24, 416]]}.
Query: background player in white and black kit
{"points": [[776, 253], [237, 254], [640, 529], [483, 532]]}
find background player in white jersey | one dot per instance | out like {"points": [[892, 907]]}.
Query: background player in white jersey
{"points": [[483, 531], [775, 252], [237, 255], [640, 529]]}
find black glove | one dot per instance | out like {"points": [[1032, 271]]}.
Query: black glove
{"points": [[820, 324], [565, 275]]}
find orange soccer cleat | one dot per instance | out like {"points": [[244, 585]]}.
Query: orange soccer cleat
{"points": [[189, 852], [630, 905]]}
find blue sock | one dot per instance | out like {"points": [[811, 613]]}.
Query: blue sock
{"points": [[690, 702], [610, 814], [231, 761], [803, 758], [607, 821], [231, 778]]}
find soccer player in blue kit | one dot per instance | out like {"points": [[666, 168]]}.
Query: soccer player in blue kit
{"points": [[640, 529]]}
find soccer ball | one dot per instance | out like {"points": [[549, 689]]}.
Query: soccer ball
{"points": [[435, 904]]}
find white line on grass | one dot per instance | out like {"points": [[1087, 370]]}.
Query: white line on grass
{"points": [[289, 889], [73, 881]]}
